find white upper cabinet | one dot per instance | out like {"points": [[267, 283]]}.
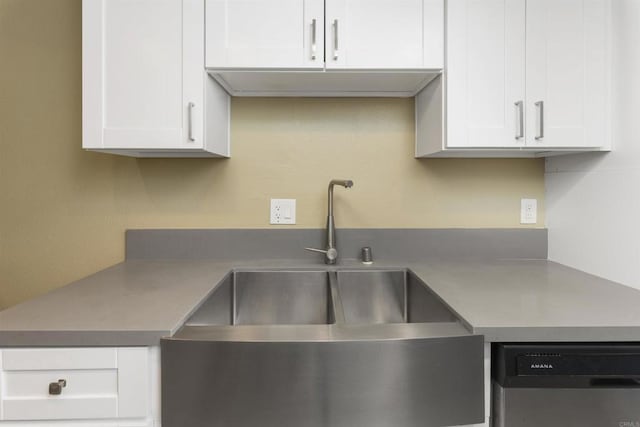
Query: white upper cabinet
{"points": [[344, 47], [567, 73], [290, 34], [287, 34], [145, 90], [384, 34], [485, 73], [522, 78]]}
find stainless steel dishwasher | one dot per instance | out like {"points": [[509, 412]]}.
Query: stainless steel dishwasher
{"points": [[560, 385]]}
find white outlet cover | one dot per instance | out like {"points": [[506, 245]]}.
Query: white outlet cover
{"points": [[528, 211], [283, 211]]}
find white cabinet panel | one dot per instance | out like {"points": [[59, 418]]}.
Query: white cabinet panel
{"points": [[139, 95], [485, 75], [80, 382], [433, 33], [58, 358], [567, 72], [383, 34], [133, 382], [142, 42], [286, 34], [33, 408]]}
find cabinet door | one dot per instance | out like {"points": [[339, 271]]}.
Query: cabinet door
{"points": [[283, 34], [143, 74], [567, 72], [485, 77], [384, 34]]}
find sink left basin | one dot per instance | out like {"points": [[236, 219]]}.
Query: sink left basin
{"points": [[268, 298]]}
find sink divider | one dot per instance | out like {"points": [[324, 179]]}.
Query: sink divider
{"points": [[336, 301], [405, 289], [234, 299]]}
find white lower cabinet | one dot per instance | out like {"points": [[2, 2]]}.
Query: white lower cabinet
{"points": [[79, 387]]}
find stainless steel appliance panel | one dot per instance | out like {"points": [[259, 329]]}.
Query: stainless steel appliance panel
{"points": [[562, 407]]}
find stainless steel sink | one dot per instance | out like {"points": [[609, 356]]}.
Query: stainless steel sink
{"points": [[322, 348]]}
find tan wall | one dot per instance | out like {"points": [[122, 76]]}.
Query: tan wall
{"points": [[63, 211]]}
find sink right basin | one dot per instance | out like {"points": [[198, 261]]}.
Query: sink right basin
{"points": [[388, 296]]}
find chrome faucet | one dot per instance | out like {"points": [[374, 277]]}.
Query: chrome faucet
{"points": [[331, 253]]}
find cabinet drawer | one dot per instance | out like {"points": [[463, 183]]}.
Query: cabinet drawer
{"points": [[88, 394], [59, 358], [100, 383]]}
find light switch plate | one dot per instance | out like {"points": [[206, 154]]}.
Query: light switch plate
{"points": [[283, 211], [528, 211]]}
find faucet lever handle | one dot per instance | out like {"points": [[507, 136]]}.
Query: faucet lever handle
{"points": [[320, 251], [331, 253]]}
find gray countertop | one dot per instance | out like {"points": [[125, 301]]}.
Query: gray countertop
{"points": [[132, 303], [139, 301], [534, 300]]}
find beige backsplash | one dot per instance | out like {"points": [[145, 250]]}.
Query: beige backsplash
{"points": [[64, 211]]}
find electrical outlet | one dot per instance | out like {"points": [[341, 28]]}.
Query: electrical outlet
{"points": [[528, 211], [283, 211]]}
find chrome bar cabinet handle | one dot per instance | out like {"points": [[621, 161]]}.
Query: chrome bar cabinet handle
{"points": [[190, 121], [520, 119], [540, 106], [335, 39], [313, 39]]}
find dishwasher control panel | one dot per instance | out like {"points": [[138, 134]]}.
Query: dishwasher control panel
{"points": [[572, 365]]}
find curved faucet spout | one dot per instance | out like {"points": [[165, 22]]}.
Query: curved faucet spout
{"points": [[330, 252], [346, 183], [331, 224], [343, 182]]}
